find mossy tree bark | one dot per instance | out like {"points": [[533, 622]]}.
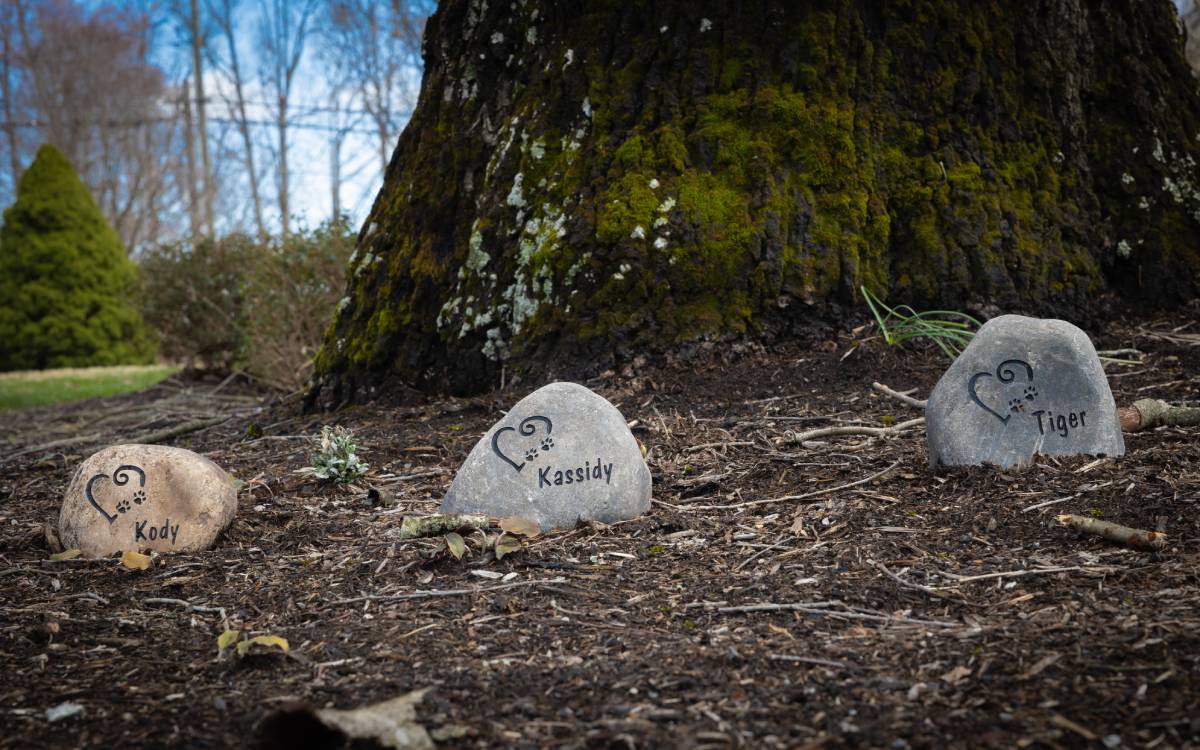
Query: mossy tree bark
{"points": [[584, 180]]}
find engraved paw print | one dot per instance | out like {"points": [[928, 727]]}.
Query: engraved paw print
{"points": [[531, 454], [1031, 393], [139, 497], [1016, 405], [548, 443], [123, 506]]}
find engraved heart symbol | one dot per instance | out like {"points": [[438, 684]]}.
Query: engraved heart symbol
{"points": [[1005, 374], [120, 477], [527, 427]]}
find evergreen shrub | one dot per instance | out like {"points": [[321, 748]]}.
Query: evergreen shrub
{"points": [[68, 293]]}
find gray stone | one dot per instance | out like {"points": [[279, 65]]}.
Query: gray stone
{"points": [[561, 455], [146, 497], [1023, 386]]}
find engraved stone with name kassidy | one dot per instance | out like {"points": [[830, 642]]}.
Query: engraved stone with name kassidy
{"points": [[146, 497], [561, 455], [1023, 386]]}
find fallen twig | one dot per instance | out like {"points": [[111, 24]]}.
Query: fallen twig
{"points": [[1115, 532], [414, 527], [909, 584], [1111, 353], [186, 428], [760, 553], [64, 442], [1148, 413], [189, 606], [916, 403], [821, 432], [805, 496], [1048, 502], [1009, 573], [809, 609], [446, 592], [809, 660]]}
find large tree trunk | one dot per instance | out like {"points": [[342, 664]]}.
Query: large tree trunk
{"points": [[582, 180]]}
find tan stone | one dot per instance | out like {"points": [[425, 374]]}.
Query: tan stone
{"points": [[146, 497]]}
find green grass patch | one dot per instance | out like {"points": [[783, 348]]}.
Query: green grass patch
{"points": [[19, 390], [949, 329]]}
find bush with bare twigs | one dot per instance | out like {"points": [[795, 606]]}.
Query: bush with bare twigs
{"points": [[232, 304]]}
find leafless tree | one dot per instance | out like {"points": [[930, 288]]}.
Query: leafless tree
{"points": [[375, 47], [228, 63], [189, 157], [91, 89], [13, 17], [197, 43], [282, 35]]}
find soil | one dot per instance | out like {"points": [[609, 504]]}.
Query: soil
{"points": [[920, 609]]}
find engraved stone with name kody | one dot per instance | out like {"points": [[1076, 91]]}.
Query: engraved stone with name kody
{"points": [[561, 455], [146, 497], [1023, 386]]}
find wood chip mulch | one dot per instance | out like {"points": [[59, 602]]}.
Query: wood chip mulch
{"points": [[917, 609]]}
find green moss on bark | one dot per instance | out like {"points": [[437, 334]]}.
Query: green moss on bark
{"points": [[646, 174]]}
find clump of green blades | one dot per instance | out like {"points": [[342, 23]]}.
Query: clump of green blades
{"points": [[949, 329]]}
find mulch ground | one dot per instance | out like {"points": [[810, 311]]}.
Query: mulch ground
{"points": [[917, 609]]}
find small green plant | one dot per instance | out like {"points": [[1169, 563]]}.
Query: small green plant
{"points": [[949, 329], [337, 459]]}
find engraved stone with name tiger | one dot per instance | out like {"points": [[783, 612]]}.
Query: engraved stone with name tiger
{"points": [[146, 497], [1023, 386], [561, 455]]}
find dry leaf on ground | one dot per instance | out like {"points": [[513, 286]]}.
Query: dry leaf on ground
{"points": [[391, 724], [135, 560]]}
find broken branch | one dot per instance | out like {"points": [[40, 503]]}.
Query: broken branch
{"points": [[1115, 532], [1148, 413], [413, 527], [916, 403], [855, 430]]}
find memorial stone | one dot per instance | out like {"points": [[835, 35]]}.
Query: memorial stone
{"points": [[146, 497], [1023, 386], [561, 455]]}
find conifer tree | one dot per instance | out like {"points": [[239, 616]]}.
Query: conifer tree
{"points": [[67, 289]]}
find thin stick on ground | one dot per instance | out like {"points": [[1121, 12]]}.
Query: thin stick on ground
{"points": [[179, 430], [808, 609], [821, 432], [189, 606], [809, 660], [1010, 573], [1034, 507], [909, 584], [446, 592], [1115, 532], [785, 498], [916, 403]]}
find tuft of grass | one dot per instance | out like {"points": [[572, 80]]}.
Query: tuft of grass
{"points": [[28, 388], [949, 329]]}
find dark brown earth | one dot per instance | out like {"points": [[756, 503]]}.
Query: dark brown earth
{"points": [[948, 611]]}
